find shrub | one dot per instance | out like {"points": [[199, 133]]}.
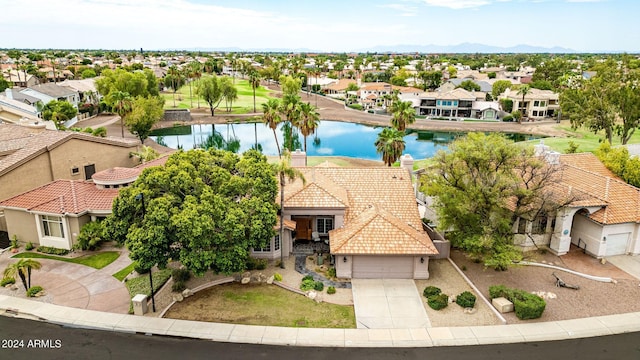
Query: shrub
{"points": [[508, 118], [307, 284], [356, 106], [181, 275], [14, 242], [139, 269], [51, 250], [437, 302], [100, 132], [497, 291], [430, 291], [307, 277], [29, 246], [256, 264], [318, 286], [178, 286], [526, 305], [7, 281], [34, 290], [331, 290], [466, 300], [331, 272], [277, 277], [91, 236]]}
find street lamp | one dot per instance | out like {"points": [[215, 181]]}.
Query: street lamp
{"points": [[140, 197]]}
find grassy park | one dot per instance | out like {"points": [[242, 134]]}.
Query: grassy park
{"points": [[243, 105]]}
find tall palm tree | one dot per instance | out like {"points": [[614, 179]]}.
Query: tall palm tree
{"points": [[390, 144], [271, 118], [196, 71], [403, 114], [309, 122], [284, 171], [22, 268], [121, 102], [290, 108], [175, 76], [524, 90], [254, 80]]}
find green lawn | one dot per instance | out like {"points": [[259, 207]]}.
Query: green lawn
{"points": [[243, 105], [586, 140], [96, 261], [261, 304], [140, 284], [120, 275]]}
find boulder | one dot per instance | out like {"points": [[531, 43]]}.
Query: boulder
{"points": [[502, 305], [312, 294], [270, 279], [246, 274], [187, 292], [13, 287], [470, 311], [177, 297], [41, 294], [245, 280]]}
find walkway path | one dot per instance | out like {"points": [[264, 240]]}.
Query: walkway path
{"points": [[388, 304]]}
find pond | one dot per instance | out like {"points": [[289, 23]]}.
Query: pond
{"points": [[332, 138]]}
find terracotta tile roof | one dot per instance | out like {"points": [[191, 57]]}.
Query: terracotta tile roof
{"points": [[155, 162], [358, 189], [288, 224], [621, 201], [116, 174], [376, 231], [64, 196], [341, 85], [23, 144]]}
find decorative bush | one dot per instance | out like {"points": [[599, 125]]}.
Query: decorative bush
{"points": [[14, 242], [277, 277], [526, 305], [180, 275], [34, 290], [331, 290], [7, 281], [430, 291], [466, 300], [307, 284], [91, 236], [139, 269], [51, 250], [178, 286], [356, 106], [331, 272], [307, 277], [29, 246], [256, 264], [318, 286], [437, 302]]}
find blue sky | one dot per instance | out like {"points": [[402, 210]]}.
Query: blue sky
{"points": [[346, 25]]}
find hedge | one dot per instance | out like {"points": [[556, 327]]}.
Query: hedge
{"points": [[437, 302], [526, 305]]}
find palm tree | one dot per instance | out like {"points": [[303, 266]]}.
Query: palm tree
{"points": [[271, 118], [309, 122], [147, 153], [254, 80], [284, 171], [175, 76], [22, 268], [121, 103], [524, 90], [196, 71], [403, 114], [290, 108], [390, 144]]}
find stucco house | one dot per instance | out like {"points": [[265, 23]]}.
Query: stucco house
{"points": [[51, 91], [368, 217], [538, 104], [603, 218]]}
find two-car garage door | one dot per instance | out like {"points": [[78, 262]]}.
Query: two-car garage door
{"points": [[617, 244], [382, 267]]}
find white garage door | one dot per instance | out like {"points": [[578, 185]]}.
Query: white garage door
{"points": [[617, 244], [382, 267]]}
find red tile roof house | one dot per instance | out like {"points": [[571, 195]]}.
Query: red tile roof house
{"points": [[368, 217], [53, 214], [603, 219]]}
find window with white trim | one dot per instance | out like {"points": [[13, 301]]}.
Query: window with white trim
{"points": [[52, 226], [267, 248], [324, 225], [276, 242]]}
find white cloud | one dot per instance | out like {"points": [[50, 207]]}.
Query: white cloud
{"points": [[457, 4], [585, 1], [405, 10]]}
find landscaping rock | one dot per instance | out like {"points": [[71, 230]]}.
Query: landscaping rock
{"points": [[187, 292], [312, 294], [270, 280], [502, 305], [245, 280], [246, 274], [41, 294], [177, 297], [13, 287], [470, 310]]}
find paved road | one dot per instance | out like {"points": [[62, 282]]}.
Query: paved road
{"points": [[93, 344]]}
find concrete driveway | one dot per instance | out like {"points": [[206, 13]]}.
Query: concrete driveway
{"points": [[388, 304], [627, 263]]}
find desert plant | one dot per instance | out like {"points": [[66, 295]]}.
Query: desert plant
{"points": [[466, 299], [437, 302], [91, 236], [307, 284], [277, 277], [6, 281], [331, 272], [331, 290], [34, 290], [178, 286], [14, 242], [318, 286], [181, 275], [29, 246], [430, 291]]}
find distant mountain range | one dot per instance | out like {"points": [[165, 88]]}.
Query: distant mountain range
{"points": [[428, 49]]}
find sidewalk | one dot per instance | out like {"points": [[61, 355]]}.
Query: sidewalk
{"points": [[268, 335]]}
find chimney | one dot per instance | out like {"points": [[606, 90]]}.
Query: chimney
{"points": [[406, 162], [541, 149], [8, 93], [552, 157], [298, 158]]}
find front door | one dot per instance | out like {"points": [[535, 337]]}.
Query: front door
{"points": [[303, 228]]}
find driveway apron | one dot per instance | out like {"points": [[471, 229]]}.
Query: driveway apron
{"points": [[388, 304]]}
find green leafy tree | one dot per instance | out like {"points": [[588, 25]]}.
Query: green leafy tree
{"points": [[506, 104], [469, 85], [135, 83], [211, 90], [284, 171], [403, 114], [145, 113], [59, 111], [620, 163], [91, 235], [499, 87], [22, 268], [229, 92], [88, 73], [430, 79], [271, 118], [206, 209], [390, 143], [453, 72], [4, 84]]}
